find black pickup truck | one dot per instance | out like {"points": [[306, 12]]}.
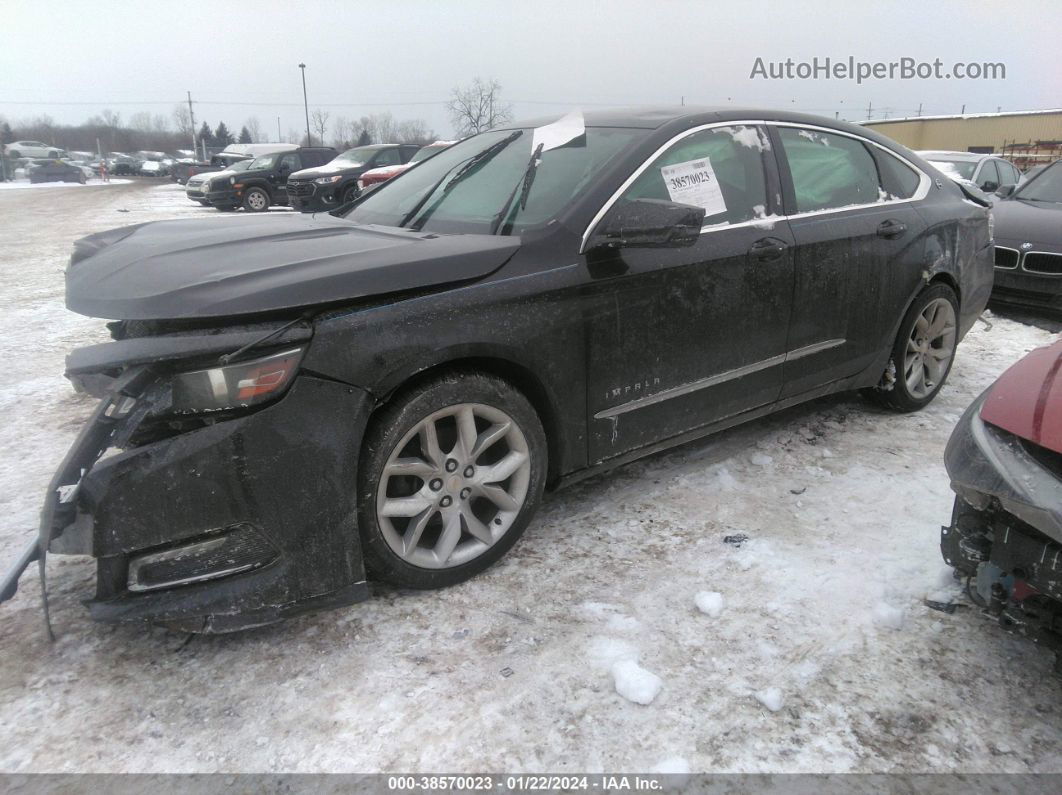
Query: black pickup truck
{"points": [[264, 183]]}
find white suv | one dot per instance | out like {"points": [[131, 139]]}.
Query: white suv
{"points": [[32, 149]]}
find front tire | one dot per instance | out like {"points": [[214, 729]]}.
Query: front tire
{"points": [[923, 353], [350, 194], [255, 200], [450, 475]]}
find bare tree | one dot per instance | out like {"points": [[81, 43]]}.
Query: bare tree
{"points": [[319, 122], [141, 122], [111, 119], [160, 124], [254, 127], [183, 120], [415, 131], [478, 107]]}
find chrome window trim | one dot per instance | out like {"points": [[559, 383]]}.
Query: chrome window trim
{"points": [[924, 184], [1040, 273], [719, 378], [1017, 261]]}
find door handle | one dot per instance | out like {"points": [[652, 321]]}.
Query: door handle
{"points": [[890, 229], [767, 249]]}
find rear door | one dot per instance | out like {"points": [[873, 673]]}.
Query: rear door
{"points": [[679, 338], [858, 251]]}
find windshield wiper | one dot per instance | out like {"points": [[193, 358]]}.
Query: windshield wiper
{"points": [[524, 186], [465, 170]]}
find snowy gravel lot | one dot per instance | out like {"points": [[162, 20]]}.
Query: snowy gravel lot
{"points": [[806, 648]]}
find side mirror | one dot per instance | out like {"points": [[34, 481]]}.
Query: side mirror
{"points": [[1005, 191], [650, 223], [989, 186]]}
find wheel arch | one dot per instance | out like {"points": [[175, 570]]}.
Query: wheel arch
{"points": [[507, 368]]}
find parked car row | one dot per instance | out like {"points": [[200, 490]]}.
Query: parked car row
{"points": [[309, 179]]}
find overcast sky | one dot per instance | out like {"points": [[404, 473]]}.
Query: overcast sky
{"points": [[72, 59]]}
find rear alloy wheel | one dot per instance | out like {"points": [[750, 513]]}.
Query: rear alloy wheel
{"points": [[450, 476], [923, 353], [255, 200]]}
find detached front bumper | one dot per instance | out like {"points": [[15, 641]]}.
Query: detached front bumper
{"points": [[233, 525]]}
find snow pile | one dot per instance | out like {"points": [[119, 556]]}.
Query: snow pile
{"points": [[711, 603], [673, 765], [635, 683], [888, 616], [771, 698]]}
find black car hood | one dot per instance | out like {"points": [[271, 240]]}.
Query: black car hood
{"points": [[1032, 222], [281, 261]]}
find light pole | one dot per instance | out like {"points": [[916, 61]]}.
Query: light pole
{"points": [[306, 105]]}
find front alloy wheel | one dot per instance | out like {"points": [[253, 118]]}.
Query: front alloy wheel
{"points": [[450, 477]]}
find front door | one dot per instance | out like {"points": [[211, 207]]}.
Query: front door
{"points": [[681, 337]]}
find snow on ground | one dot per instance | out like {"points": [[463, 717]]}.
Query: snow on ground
{"points": [[92, 183], [514, 671]]}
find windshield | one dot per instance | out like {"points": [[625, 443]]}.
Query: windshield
{"points": [[424, 153], [956, 169], [264, 162], [464, 188], [356, 157], [1045, 187], [240, 165]]}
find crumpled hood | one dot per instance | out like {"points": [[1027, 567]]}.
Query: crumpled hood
{"points": [[280, 261], [1027, 399], [1032, 222]]}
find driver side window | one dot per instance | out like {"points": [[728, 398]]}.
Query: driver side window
{"points": [[720, 169]]}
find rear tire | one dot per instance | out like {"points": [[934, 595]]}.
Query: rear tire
{"points": [[450, 475], [255, 200], [350, 194], [923, 353]]}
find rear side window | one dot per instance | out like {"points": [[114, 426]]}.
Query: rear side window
{"points": [[720, 169], [387, 157], [988, 177], [899, 179], [829, 171]]}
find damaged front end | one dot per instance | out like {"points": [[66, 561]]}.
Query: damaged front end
{"points": [[1005, 534], [206, 485]]}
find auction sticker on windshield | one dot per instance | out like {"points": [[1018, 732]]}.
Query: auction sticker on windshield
{"points": [[694, 182]]}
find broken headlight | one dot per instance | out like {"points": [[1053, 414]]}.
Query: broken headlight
{"points": [[235, 385]]}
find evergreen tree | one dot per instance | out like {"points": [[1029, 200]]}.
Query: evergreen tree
{"points": [[364, 139], [245, 136], [206, 135], [222, 136], [6, 136]]}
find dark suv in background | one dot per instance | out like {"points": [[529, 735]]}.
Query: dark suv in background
{"points": [[264, 183], [318, 189]]}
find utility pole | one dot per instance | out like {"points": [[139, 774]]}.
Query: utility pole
{"points": [[191, 116], [870, 107], [306, 105], [682, 100], [278, 130], [919, 109], [963, 111]]}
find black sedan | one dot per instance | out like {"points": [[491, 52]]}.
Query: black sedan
{"points": [[294, 404], [55, 171], [1028, 232]]}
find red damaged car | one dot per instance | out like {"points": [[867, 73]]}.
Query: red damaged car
{"points": [[1005, 463]]}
